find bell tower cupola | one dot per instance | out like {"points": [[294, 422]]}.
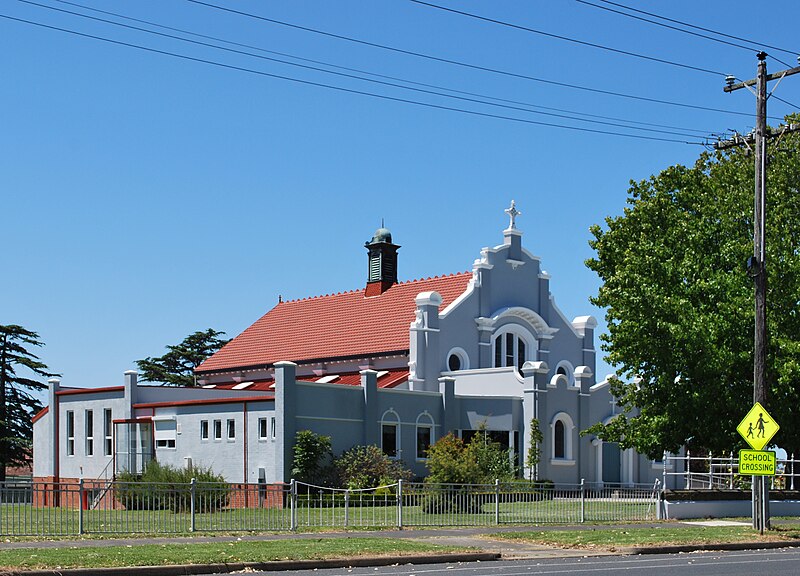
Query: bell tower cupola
{"points": [[382, 254]]}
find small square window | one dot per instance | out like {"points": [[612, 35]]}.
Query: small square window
{"points": [[165, 443], [262, 428]]}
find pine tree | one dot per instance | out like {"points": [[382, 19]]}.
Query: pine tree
{"points": [[17, 404]]}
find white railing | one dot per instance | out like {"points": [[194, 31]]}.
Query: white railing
{"points": [[715, 472]]}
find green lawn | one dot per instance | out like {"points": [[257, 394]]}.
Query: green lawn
{"points": [[223, 552], [610, 538]]}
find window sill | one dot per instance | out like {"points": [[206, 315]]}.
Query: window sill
{"points": [[561, 462]]}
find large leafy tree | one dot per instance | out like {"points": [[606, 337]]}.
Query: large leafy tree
{"points": [[176, 367], [679, 302], [17, 403]]}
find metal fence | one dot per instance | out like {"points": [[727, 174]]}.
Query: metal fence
{"points": [[714, 472], [96, 507]]}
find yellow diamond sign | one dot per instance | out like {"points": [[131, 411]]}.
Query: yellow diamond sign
{"points": [[758, 427]]}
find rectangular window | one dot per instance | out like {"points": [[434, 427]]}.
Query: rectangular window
{"points": [[520, 353], [262, 428], [423, 441], [70, 433], [509, 349], [389, 440], [203, 429], [498, 351], [88, 420], [217, 429], [273, 429], [108, 431], [231, 429], [165, 431]]}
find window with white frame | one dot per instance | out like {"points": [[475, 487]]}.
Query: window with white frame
{"points": [[561, 429], [262, 429], [165, 431], [566, 369], [424, 435], [217, 429], [108, 431], [88, 423], [231, 429], [273, 428], [390, 434], [510, 348], [457, 359], [203, 429], [70, 433]]}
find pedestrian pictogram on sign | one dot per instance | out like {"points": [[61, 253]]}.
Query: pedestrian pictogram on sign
{"points": [[758, 427]]}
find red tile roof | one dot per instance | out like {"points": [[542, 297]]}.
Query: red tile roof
{"points": [[386, 379], [340, 325]]}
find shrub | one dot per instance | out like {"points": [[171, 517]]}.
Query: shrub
{"points": [[368, 467], [312, 457], [163, 487]]}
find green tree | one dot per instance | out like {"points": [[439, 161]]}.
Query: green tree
{"points": [[679, 302], [312, 457], [479, 461], [176, 367], [534, 454], [368, 467], [17, 404]]}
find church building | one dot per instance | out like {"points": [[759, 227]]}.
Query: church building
{"points": [[394, 364]]}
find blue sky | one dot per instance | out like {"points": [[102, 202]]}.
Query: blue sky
{"points": [[146, 196]]}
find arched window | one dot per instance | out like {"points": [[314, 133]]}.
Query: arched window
{"points": [[390, 434], [510, 348], [566, 369], [561, 428], [424, 435], [559, 440]]}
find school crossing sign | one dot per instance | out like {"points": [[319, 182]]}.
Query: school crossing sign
{"points": [[758, 427]]}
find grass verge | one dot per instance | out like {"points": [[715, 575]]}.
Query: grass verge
{"points": [[609, 538], [209, 553]]}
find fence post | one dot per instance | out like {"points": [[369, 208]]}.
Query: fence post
{"points": [[400, 504], [346, 506], [730, 467], [710, 470], [192, 495], [81, 501], [688, 482], [664, 469], [497, 501], [793, 473], [293, 503], [583, 500]]}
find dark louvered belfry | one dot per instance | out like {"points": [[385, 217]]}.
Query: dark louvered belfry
{"points": [[382, 254]]}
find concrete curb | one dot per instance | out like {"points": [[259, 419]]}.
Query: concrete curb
{"points": [[280, 565], [678, 548]]}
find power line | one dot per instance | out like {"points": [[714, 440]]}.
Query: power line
{"points": [[620, 12], [567, 38], [340, 88], [568, 114], [468, 65], [682, 23]]}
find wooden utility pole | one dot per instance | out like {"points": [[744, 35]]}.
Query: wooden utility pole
{"points": [[757, 265]]}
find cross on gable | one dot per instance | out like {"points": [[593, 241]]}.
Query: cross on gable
{"points": [[513, 213]]}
